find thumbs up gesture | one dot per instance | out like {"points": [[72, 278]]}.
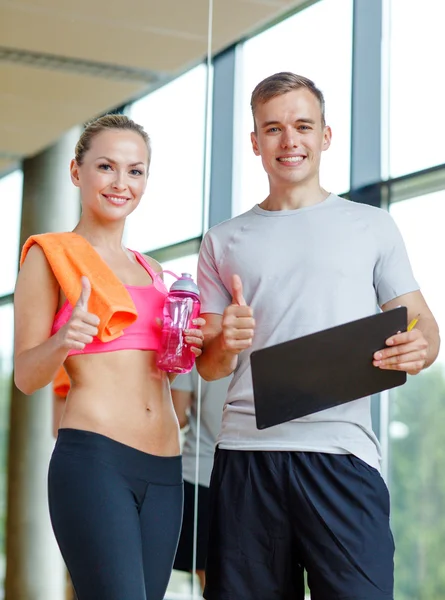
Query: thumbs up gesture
{"points": [[82, 325], [238, 324]]}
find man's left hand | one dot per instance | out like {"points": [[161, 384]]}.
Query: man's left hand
{"points": [[405, 352]]}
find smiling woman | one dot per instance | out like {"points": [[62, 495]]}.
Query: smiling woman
{"points": [[112, 158], [85, 301]]}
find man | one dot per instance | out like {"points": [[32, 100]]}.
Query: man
{"points": [[185, 399], [307, 494]]}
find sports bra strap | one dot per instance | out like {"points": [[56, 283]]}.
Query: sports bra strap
{"points": [[141, 258], [158, 282]]}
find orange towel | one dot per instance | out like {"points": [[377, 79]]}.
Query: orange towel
{"points": [[61, 383], [71, 256]]}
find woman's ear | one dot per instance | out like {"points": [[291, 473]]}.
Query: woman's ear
{"points": [[74, 172]]}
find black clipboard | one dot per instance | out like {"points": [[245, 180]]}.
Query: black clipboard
{"points": [[318, 371]]}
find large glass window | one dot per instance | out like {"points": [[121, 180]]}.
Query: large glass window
{"points": [[417, 421], [11, 197], [421, 221], [6, 351], [183, 264], [416, 89], [174, 118], [316, 43]]}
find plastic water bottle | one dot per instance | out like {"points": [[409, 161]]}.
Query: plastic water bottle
{"points": [[181, 306]]}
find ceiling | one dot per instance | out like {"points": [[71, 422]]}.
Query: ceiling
{"points": [[63, 63]]}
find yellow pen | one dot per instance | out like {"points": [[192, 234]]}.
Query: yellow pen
{"points": [[413, 323]]}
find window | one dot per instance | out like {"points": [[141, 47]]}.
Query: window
{"points": [[417, 421], [11, 196], [416, 90], [316, 43], [421, 222], [6, 353], [184, 264], [171, 209]]}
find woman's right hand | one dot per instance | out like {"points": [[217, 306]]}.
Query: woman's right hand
{"points": [[82, 326]]}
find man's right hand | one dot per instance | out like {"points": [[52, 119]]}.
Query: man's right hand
{"points": [[82, 326], [238, 324]]}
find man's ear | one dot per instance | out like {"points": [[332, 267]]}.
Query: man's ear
{"points": [[254, 140], [327, 137]]}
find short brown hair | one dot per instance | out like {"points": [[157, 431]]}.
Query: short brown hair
{"points": [[105, 123], [282, 83]]}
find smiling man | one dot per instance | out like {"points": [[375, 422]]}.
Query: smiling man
{"points": [[306, 495]]}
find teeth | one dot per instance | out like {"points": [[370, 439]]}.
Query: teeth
{"points": [[117, 200], [292, 159]]}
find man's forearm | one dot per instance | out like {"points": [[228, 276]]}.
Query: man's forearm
{"points": [[215, 362], [430, 330]]}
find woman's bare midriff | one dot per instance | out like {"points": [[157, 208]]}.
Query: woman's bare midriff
{"points": [[124, 396]]}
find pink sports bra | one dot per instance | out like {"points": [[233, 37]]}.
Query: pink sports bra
{"points": [[144, 333]]}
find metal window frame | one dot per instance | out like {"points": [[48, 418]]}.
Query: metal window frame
{"points": [[366, 118]]}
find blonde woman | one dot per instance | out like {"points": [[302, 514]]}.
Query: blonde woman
{"points": [[115, 477]]}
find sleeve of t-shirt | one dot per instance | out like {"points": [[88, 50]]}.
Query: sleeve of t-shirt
{"points": [[214, 295], [393, 275], [183, 383]]}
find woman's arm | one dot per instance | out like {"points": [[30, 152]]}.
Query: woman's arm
{"points": [[38, 355]]}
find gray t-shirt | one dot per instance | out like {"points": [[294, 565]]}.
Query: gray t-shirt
{"points": [[303, 271], [213, 396]]}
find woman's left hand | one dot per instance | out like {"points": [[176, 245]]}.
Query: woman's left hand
{"points": [[195, 337]]}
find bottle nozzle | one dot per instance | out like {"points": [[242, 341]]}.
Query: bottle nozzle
{"points": [[185, 283]]}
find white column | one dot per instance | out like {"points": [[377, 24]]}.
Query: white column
{"points": [[34, 568]]}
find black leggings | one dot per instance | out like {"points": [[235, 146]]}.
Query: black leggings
{"points": [[116, 513]]}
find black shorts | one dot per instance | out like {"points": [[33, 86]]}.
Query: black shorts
{"points": [[274, 515], [184, 554]]}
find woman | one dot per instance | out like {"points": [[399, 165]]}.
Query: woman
{"points": [[61, 387], [115, 480]]}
